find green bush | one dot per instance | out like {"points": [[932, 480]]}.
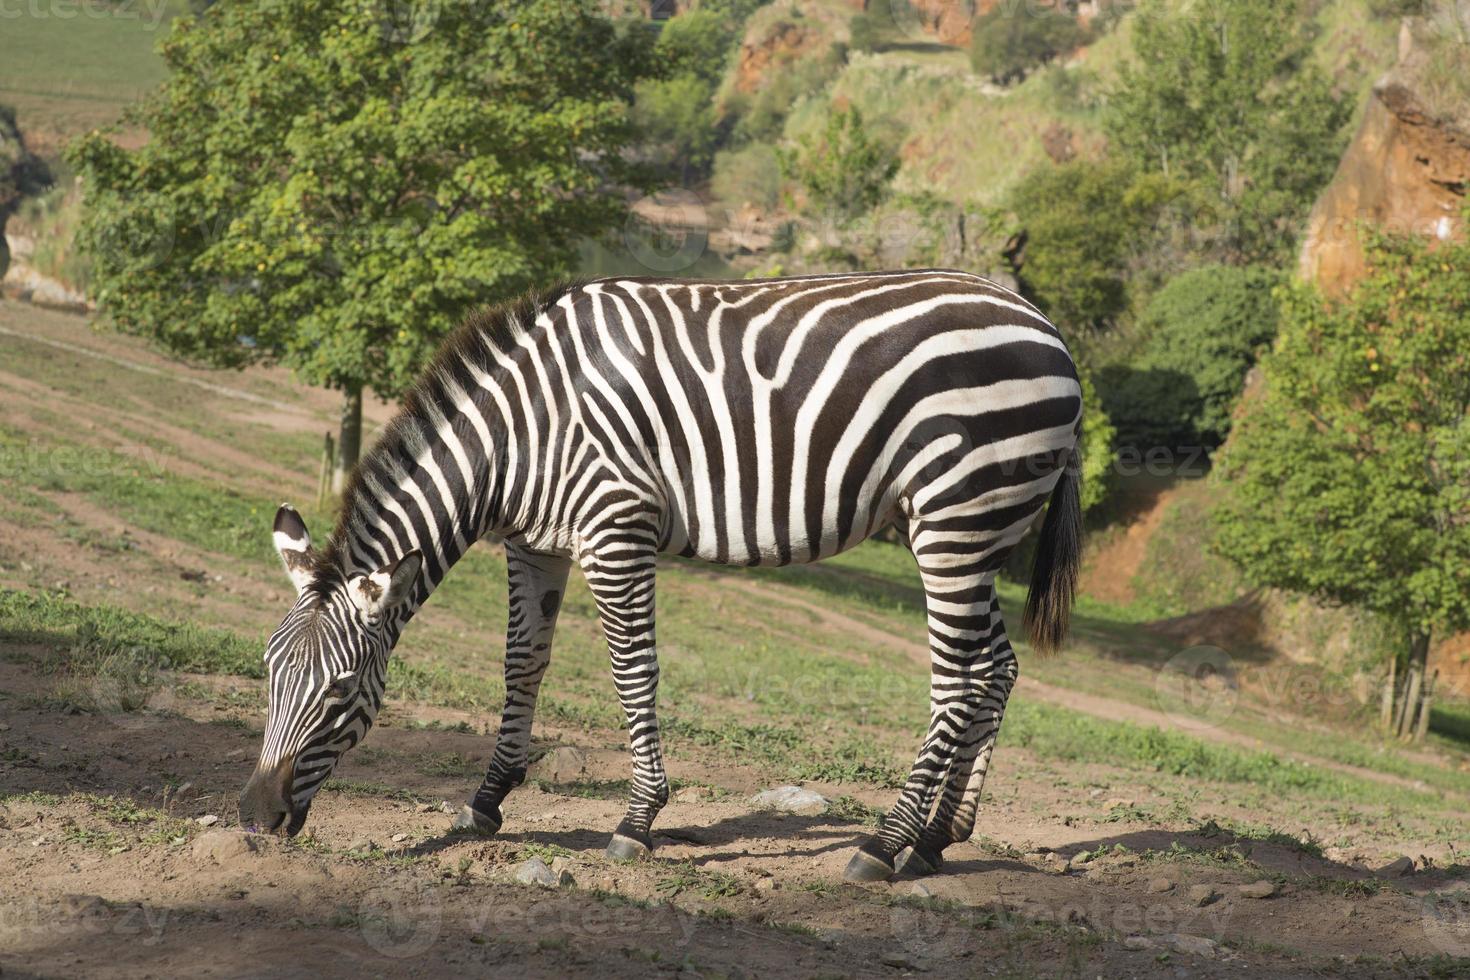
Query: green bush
{"points": [[1204, 330], [1011, 39], [750, 174], [846, 171]]}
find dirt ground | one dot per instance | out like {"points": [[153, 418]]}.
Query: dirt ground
{"points": [[120, 853]]}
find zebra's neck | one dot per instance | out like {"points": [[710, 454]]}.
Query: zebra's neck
{"points": [[437, 478]]}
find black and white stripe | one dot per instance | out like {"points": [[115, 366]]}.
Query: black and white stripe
{"points": [[761, 422]]}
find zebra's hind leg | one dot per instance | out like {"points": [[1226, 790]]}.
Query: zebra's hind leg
{"points": [[620, 573], [537, 582], [959, 599], [994, 675]]}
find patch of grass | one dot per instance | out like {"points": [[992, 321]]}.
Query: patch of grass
{"points": [[357, 787], [686, 876], [449, 764], [589, 789], [1302, 845], [847, 808], [98, 632], [1355, 888]]}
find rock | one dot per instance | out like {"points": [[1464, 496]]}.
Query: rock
{"points": [[690, 794], [1116, 803], [920, 890], [561, 866], [225, 846], [1195, 945], [399, 838], [534, 871], [1079, 862], [896, 960], [362, 845], [791, 799], [208, 820], [1201, 895], [1157, 886], [1138, 942], [1258, 889], [1401, 866], [1054, 863], [766, 885], [446, 807], [562, 764]]}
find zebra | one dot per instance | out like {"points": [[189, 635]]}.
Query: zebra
{"points": [[752, 422]]}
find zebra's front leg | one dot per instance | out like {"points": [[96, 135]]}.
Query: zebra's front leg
{"points": [[620, 573], [537, 582]]}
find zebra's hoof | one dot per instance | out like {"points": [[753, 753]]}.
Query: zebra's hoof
{"points": [[473, 821], [922, 861], [866, 867], [622, 848]]}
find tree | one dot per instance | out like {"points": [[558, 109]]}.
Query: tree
{"points": [[847, 170], [330, 185], [1204, 329], [1010, 39], [1082, 224], [1349, 476], [1224, 94]]}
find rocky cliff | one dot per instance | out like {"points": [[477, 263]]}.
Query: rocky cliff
{"points": [[1406, 170]]}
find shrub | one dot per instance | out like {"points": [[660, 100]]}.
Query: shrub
{"points": [[750, 174], [847, 170], [1011, 39], [1204, 330]]}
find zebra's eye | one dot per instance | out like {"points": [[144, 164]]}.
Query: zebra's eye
{"points": [[341, 688]]}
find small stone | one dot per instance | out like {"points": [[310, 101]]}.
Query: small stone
{"points": [[920, 890], [534, 871], [224, 846], [562, 764], [1138, 942], [427, 807], [1078, 862], [208, 820], [1055, 863], [1195, 945], [766, 885], [362, 845], [399, 838], [564, 879], [1116, 803], [1401, 866], [1258, 889], [896, 960], [690, 794], [446, 807], [1202, 895], [560, 863], [791, 799], [1157, 886]]}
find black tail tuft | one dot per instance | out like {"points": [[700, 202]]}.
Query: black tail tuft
{"points": [[1058, 558]]}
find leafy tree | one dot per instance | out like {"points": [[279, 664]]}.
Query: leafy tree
{"points": [[676, 112], [330, 185], [1083, 224], [1010, 39], [1224, 94], [1349, 476], [847, 170], [1203, 331]]}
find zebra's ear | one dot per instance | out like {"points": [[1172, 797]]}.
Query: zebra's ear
{"points": [[381, 592], [293, 544]]}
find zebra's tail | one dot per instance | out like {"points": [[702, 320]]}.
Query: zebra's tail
{"points": [[1058, 557]]}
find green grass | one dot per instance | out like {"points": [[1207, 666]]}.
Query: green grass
{"points": [[59, 624]]}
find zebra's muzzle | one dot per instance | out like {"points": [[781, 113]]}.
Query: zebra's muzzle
{"points": [[265, 803]]}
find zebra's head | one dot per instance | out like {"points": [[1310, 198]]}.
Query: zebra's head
{"points": [[326, 665]]}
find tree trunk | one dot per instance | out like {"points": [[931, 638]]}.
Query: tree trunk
{"points": [[1385, 710], [1406, 717], [349, 439], [1426, 705]]}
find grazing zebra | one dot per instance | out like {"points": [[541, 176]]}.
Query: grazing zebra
{"points": [[761, 422]]}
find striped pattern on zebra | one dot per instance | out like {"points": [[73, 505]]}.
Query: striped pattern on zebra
{"points": [[757, 422]]}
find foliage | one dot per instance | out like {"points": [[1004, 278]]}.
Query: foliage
{"points": [[329, 186], [1204, 329], [1098, 436], [750, 174], [1224, 94], [1350, 476], [847, 171], [863, 32], [1010, 39], [1083, 223], [676, 117]]}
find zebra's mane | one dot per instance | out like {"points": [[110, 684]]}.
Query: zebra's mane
{"points": [[405, 437]]}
